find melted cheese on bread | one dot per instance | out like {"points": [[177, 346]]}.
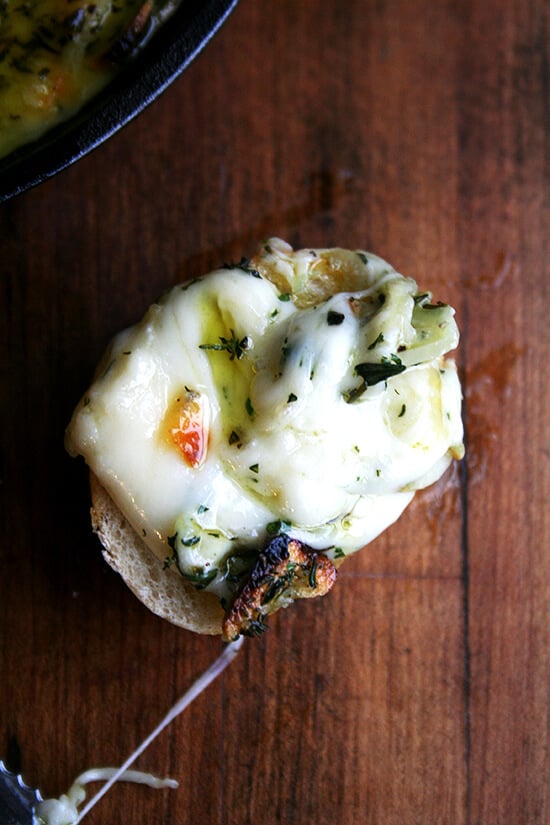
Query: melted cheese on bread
{"points": [[251, 402]]}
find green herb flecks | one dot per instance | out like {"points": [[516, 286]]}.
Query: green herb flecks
{"points": [[312, 580], [234, 346], [245, 266], [200, 577], [373, 373], [275, 527], [378, 340], [334, 318], [255, 627]]}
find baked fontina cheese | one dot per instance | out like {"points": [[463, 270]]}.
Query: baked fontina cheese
{"points": [[264, 422]]}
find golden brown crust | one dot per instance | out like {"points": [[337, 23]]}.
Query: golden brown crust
{"points": [[286, 570]]}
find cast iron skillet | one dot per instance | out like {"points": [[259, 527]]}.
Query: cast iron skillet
{"points": [[169, 52]]}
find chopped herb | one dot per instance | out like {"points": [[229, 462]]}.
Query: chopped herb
{"points": [[254, 468], [202, 508], [200, 577], [291, 398], [403, 411], [393, 359], [236, 348], [363, 257], [421, 297], [248, 407], [192, 540], [313, 572], [378, 473], [339, 553], [276, 585], [255, 627], [189, 542], [373, 373], [352, 395], [376, 341], [284, 296], [237, 566], [244, 265], [285, 352], [334, 319], [275, 527], [234, 438]]}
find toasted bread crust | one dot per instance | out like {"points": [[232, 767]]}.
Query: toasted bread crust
{"points": [[162, 590]]}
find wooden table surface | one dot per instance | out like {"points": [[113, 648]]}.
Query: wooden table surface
{"points": [[416, 693]]}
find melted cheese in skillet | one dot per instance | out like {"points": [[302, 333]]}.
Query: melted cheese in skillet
{"points": [[292, 438]]}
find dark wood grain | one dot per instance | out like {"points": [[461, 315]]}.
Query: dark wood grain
{"points": [[417, 692]]}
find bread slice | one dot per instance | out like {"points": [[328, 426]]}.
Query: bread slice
{"points": [[310, 277], [164, 592]]}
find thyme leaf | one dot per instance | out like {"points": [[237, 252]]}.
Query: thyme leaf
{"points": [[376, 341], [373, 373], [234, 346]]}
